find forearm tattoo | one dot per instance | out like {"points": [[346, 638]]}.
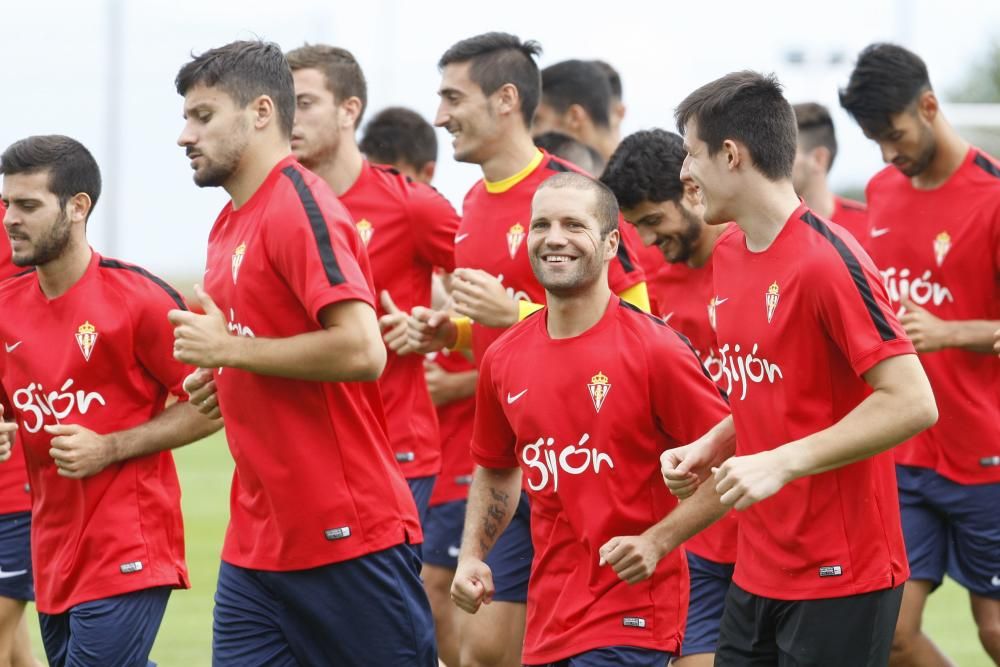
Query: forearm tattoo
{"points": [[495, 513]]}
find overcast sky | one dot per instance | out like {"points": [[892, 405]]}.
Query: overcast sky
{"points": [[61, 58]]}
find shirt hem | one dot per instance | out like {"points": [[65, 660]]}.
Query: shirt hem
{"points": [[671, 645]]}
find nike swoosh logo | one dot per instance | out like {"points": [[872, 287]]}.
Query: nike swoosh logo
{"points": [[666, 318], [11, 348], [460, 237], [875, 233], [511, 399], [995, 581], [15, 573], [453, 552], [719, 302]]}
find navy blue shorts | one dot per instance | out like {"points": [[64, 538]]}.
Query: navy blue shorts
{"points": [[421, 488], [370, 610], [15, 556], [617, 656], [709, 585], [443, 533], [118, 630], [951, 529], [510, 558]]}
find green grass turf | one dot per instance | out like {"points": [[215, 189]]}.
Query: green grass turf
{"points": [[205, 468]]}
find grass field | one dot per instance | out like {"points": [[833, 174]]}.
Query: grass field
{"points": [[185, 638]]}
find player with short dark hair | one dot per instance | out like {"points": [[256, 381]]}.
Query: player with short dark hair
{"points": [[616, 113], [88, 382], [607, 584], [407, 228], [489, 89], [576, 100], [564, 146], [824, 382], [318, 565], [934, 232], [400, 137], [644, 173], [814, 155]]}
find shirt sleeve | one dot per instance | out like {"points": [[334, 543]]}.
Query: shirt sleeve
{"points": [[624, 271], [435, 224], [153, 335], [686, 403], [855, 309], [493, 439], [313, 245]]}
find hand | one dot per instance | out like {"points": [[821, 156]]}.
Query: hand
{"points": [[7, 431], [483, 298], [202, 392], [394, 326], [633, 558], [472, 585], [201, 340], [437, 383], [744, 480], [685, 468], [430, 330], [928, 333], [79, 452], [996, 341]]}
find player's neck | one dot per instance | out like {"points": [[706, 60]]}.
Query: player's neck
{"points": [[951, 152], [343, 168], [819, 199], [764, 211], [55, 278], [706, 243], [255, 165], [511, 156], [570, 316]]}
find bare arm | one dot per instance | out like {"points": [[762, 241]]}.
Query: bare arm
{"points": [[348, 348], [900, 406], [635, 558], [493, 498], [79, 452], [930, 333]]}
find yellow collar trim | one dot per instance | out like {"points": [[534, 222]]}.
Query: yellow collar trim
{"points": [[496, 187]]}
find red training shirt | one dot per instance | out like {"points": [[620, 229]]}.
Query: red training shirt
{"points": [[797, 325], [408, 229], [941, 248], [586, 419], [15, 492], [316, 481], [456, 435], [852, 216], [101, 356], [686, 304], [493, 233]]}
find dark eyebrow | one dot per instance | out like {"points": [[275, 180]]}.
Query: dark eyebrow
{"points": [[648, 219]]}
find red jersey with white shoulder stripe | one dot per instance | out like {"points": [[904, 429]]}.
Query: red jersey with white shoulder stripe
{"points": [[316, 481], [100, 356], [941, 249], [586, 418], [408, 229], [798, 324]]}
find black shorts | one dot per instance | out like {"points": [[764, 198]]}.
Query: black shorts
{"points": [[855, 630]]}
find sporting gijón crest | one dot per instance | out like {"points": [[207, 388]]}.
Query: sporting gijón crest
{"points": [[599, 388], [86, 339]]}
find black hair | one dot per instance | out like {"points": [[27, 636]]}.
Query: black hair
{"points": [[579, 82], [887, 80], [646, 166], [72, 169], [398, 134]]}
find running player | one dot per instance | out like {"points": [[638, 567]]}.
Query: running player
{"points": [[607, 585], [489, 90], [645, 176], [16, 588], [935, 234], [824, 381], [88, 381], [401, 138], [317, 567], [407, 228], [816, 149]]}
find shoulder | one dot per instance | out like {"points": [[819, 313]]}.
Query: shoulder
{"points": [[825, 241], [17, 284], [511, 342], [138, 283], [986, 169], [649, 333]]}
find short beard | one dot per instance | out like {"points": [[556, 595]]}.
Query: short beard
{"points": [[217, 171], [49, 246], [925, 158], [687, 240]]}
